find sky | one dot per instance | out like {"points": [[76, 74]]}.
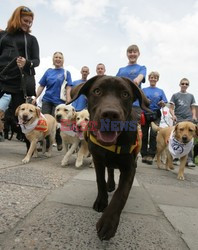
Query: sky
{"points": [[89, 32]]}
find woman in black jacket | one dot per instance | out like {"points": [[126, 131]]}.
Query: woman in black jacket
{"points": [[19, 54]]}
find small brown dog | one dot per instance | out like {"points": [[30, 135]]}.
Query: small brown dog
{"points": [[177, 141], [36, 127], [72, 126]]}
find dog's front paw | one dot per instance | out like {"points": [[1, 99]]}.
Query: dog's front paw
{"points": [[107, 226], [100, 204], [91, 165], [180, 177], [78, 164], [25, 160], [64, 164], [48, 154]]}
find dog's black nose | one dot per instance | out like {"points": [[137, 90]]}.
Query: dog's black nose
{"points": [[58, 117], [111, 114], [184, 139], [25, 117]]}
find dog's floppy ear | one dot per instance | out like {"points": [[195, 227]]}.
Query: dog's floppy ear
{"points": [[82, 88], [17, 110], [138, 94], [196, 130]]}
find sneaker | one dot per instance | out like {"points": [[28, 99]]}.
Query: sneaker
{"points": [[149, 160], [190, 164], [1, 138], [176, 162], [59, 147], [144, 159]]}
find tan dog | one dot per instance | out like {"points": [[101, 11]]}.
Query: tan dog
{"points": [[36, 127], [177, 141], [72, 126]]}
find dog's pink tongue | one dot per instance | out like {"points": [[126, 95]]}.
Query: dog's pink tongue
{"points": [[107, 138]]}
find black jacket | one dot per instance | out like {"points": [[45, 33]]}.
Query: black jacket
{"points": [[11, 78]]}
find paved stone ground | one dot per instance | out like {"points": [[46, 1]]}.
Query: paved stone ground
{"points": [[44, 206]]}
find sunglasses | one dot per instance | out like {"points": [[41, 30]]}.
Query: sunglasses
{"points": [[184, 83], [26, 9]]}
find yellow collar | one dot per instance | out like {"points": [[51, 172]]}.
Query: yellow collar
{"points": [[115, 148]]}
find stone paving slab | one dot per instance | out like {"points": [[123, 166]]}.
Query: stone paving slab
{"points": [[83, 193], [90, 175], [167, 180], [54, 226], [175, 196], [185, 221], [27, 175], [16, 202]]}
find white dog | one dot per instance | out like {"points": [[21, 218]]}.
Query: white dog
{"points": [[72, 126]]}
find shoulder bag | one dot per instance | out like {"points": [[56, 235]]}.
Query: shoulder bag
{"points": [[63, 88]]}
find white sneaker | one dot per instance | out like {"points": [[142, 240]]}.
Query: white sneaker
{"points": [[176, 163], [191, 164]]}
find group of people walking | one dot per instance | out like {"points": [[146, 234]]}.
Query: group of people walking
{"points": [[19, 55]]}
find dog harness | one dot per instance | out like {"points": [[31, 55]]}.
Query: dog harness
{"points": [[42, 125], [179, 149], [123, 149], [39, 124], [71, 131]]}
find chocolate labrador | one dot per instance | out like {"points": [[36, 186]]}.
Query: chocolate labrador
{"points": [[113, 142]]}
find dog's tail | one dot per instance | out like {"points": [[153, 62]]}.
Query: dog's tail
{"points": [[155, 127]]}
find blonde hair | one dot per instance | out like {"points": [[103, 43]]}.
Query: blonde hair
{"points": [[14, 23], [154, 73], [57, 52]]}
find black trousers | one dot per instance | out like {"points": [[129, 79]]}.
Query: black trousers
{"points": [[149, 139]]}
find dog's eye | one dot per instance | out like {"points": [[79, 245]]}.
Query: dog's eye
{"points": [[31, 111], [97, 91], [190, 130], [78, 118], [57, 109], [86, 119], [124, 94]]}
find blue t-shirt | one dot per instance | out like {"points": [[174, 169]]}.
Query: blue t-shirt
{"points": [[131, 71], [81, 102], [155, 95], [52, 80]]}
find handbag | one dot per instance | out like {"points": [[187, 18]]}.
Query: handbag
{"points": [[63, 88], [28, 85]]}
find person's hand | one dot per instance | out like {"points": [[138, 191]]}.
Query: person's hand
{"points": [[161, 104], [174, 118], [34, 101], [21, 61]]}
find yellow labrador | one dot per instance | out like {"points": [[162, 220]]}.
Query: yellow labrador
{"points": [[177, 141], [72, 126], [36, 127]]}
